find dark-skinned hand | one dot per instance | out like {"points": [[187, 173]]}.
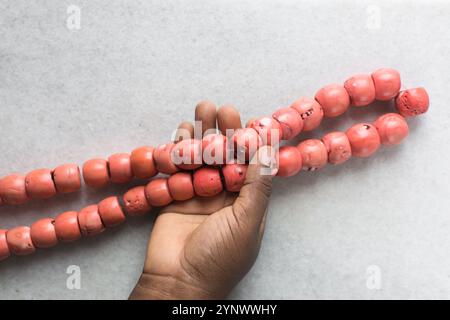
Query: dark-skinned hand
{"points": [[201, 248]]}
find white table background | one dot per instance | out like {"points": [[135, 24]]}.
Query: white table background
{"points": [[135, 69]]}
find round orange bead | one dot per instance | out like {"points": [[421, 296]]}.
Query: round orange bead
{"points": [[310, 111], [157, 192], [136, 202], [19, 241], [111, 212], [387, 83], [142, 163], [392, 128], [314, 154], [215, 149], [361, 90], [268, 129], [90, 221], [67, 178], [364, 139], [289, 161], [163, 159], [246, 141], [39, 184], [66, 226], [291, 122], [207, 182], [412, 102], [180, 186], [187, 154], [43, 233], [13, 190], [334, 100], [234, 176], [120, 168], [96, 173], [338, 147]]}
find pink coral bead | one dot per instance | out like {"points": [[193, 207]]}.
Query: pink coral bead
{"points": [[412, 102], [4, 249], [181, 186], [387, 83], [96, 173], [67, 178], [246, 141], [291, 122], [136, 202], [19, 241], [392, 128], [90, 221], [234, 176], [207, 182], [142, 163], [310, 111], [43, 233], [187, 154], [111, 212], [334, 100], [314, 154], [120, 168], [338, 147], [13, 190], [289, 161], [361, 90], [364, 139], [157, 192], [215, 149], [39, 184], [268, 129], [67, 227], [163, 159]]}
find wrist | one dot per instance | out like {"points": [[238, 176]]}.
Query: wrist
{"points": [[166, 287]]}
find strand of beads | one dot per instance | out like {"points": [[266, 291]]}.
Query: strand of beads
{"points": [[39, 184], [305, 114], [361, 140]]}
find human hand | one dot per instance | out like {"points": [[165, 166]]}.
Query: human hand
{"points": [[201, 248]]}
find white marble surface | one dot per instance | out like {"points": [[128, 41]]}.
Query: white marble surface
{"points": [[136, 68]]}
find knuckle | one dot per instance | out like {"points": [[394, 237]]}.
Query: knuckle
{"points": [[264, 186]]}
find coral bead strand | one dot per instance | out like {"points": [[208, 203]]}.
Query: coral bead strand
{"points": [[39, 184], [123, 167], [361, 140], [304, 114], [93, 219]]}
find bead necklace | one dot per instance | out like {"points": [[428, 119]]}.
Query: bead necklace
{"points": [[206, 178]]}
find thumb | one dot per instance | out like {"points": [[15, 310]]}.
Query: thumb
{"points": [[250, 206]]}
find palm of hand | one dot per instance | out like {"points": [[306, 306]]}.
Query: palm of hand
{"points": [[195, 241]]}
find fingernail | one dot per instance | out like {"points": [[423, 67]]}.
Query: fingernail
{"points": [[264, 156], [268, 161]]}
